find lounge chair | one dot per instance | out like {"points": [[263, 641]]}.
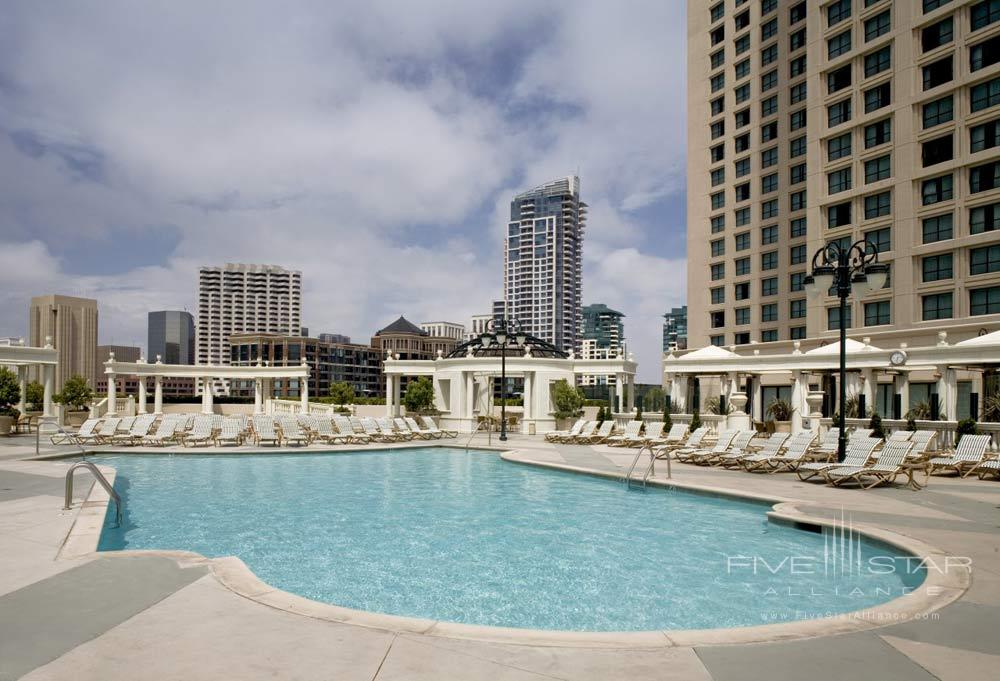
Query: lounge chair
{"points": [[554, 435], [988, 467], [923, 441], [770, 447], [291, 431], [721, 446], [630, 434], [433, 427], [309, 423], [601, 435], [137, 432], [422, 433], [862, 432], [740, 443], [653, 434], [264, 430], [969, 454], [231, 431], [888, 465], [106, 431], [589, 428], [386, 425], [375, 433], [124, 426], [859, 452], [692, 444], [828, 444], [900, 436], [348, 432], [165, 432], [201, 432], [326, 433], [795, 451], [83, 434]]}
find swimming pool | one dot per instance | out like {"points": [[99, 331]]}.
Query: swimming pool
{"points": [[458, 536]]}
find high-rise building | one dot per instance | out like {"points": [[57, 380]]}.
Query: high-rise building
{"points": [[123, 353], [543, 251], [837, 121], [675, 327], [239, 298], [445, 330], [72, 325], [334, 338], [171, 337], [604, 326]]}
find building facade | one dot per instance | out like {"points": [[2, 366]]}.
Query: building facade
{"points": [[837, 121], [543, 251], [406, 340], [334, 338], [71, 323], [604, 326], [675, 326], [171, 336], [238, 298], [329, 363], [445, 330]]}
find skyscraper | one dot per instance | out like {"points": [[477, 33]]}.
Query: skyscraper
{"points": [[675, 326], [241, 298], [604, 326], [72, 325], [542, 261], [838, 121], [171, 336]]}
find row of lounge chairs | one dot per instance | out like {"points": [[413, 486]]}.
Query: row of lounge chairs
{"points": [[205, 429], [593, 432]]}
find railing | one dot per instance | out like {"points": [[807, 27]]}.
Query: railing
{"points": [[101, 479], [293, 407], [944, 429]]}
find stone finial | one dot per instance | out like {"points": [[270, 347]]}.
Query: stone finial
{"points": [[388, 354], [111, 356], [48, 341], [527, 350], [867, 340], [572, 355], [732, 348], [942, 339], [440, 353], [159, 359], [468, 351], [797, 345], [396, 356], [756, 352], [903, 346]]}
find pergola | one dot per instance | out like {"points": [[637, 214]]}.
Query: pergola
{"points": [[459, 381], [21, 358], [261, 374]]}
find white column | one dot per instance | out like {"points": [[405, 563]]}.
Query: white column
{"points": [[206, 396], [397, 384], [112, 404], [870, 391], [49, 371], [948, 393], [630, 397], [620, 386], [798, 377], [158, 395], [258, 388], [304, 393], [529, 384], [682, 394], [757, 399], [22, 382], [390, 394], [142, 394], [903, 388]]}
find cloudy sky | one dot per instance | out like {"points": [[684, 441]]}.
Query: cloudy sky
{"points": [[374, 145]]}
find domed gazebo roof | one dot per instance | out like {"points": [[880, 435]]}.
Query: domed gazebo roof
{"points": [[401, 325]]}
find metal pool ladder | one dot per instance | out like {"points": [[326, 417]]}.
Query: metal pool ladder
{"points": [[101, 479], [650, 469]]}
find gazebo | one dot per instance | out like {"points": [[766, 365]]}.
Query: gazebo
{"points": [[21, 358]]}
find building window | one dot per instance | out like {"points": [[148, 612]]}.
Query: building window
{"points": [[718, 59], [797, 332], [796, 281], [742, 69], [718, 176], [797, 120], [838, 44], [718, 271], [937, 267], [797, 173], [742, 118], [797, 93], [985, 177], [768, 132], [741, 291], [742, 20], [984, 54], [937, 189], [877, 97], [718, 129], [937, 306], [743, 192], [878, 61], [838, 147], [938, 73], [718, 223], [718, 35], [839, 79], [769, 286], [717, 341], [769, 209], [984, 219], [833, 318], [877, 313], [937, 228], [718, 11], [742, 142], [769, 234], [931, 5], [742, 241], [838, 181], [769, 260], [718, 105], [742, 44], [718, 248], [743, 216], [797, 13], [878, 133], [984, 300], [718, 200], [838, 215], [742, 338], [837, 12], [742, 266], [769, 106], [838, 113], [769, 30], [742, 167], [769, 157], [767, 6], [742, 316], [769, 80], [718, 295], [797, 254], [797, 200], [984, 13], [985, 136], [797, 40], [718, 152], [936, 151], [797, 147], [878, 205], [984, 260], [769, 183], [798, 227], [878, 169], [718, 82], [985, 95], [939, 111], [797, 308], [718, 319], [768, 335], [876, 26], [938, 34], [767, 56], [881, 239]]}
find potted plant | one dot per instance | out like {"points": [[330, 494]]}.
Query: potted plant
{"points": [[342, 394], [568, 401], [781, 412], [695, 421], [76, 395], [965, 427], [10, 394], [875, 424], [667, 422], [419, 397]]}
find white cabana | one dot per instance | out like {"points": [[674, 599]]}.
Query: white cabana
{"points": [[21, 358]]}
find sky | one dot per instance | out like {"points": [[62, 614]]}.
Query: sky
{"points": [[373, 145]]}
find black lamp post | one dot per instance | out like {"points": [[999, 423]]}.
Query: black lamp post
{"points": [[855, 267], [503, 332]]}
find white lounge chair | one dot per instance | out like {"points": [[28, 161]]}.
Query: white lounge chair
{"points": [[291, 431], [230, 432], [124, 426], [554, 435], [693, 442], [433, 427], [602, 433], [741, 443], [795, 451], [900, 436], [165, 432], [828, 444], [264, 430], [652, 434], [923, 442], [630, 433], [859, 452], [82, 435], [888, 465], [106, 431], [422, 433], [375, 433], [201, 432], [770, 447], [588, 429], [137, 431], [721, 446], [326, 433], [988, 467], [969, 454], [348, 433], [388, 428]]}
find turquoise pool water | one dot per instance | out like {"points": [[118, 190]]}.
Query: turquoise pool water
{"points": [[465, 537]]}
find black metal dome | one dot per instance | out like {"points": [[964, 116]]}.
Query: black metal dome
{"points": [[539, 348]]}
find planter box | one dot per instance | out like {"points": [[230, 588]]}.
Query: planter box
{"points": [[76, 418], [6, 423], [782, 426]]}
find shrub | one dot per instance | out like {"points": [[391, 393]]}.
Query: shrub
{"points": [[341, 393], [35, 395], [419, 395], [713, 405], [76, 393], [991, 407], [695, 420], [638, 413], [567, 399], [911, 425], [965, 427], [10, 392], [876, 426], [780, 410], [921, 411], [601, 418], [667, 423]]}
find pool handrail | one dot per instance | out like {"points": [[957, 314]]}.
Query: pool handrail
{"points": [[101, 479]]}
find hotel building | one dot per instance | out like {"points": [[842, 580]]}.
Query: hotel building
{"points": [[170, 335], [543, 251], [71, 324]]}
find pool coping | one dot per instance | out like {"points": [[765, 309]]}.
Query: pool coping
{"points": [[938, 589]]}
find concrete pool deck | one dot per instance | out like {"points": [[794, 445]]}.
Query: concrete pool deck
{"points": [[135, 616]]}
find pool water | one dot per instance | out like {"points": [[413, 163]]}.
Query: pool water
{"points": [[459, 536]]}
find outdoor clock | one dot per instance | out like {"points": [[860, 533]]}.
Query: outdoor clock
{"points": [[897, 358]]}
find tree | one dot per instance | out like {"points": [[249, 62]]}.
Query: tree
{"points": [[965, 427], [35, 395], [638, 413], [654, 398], [567, 399], [419, 395], [876, 426], [75, 393], [695, 420], [10, 392], [667, 421], [342, 393]]}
